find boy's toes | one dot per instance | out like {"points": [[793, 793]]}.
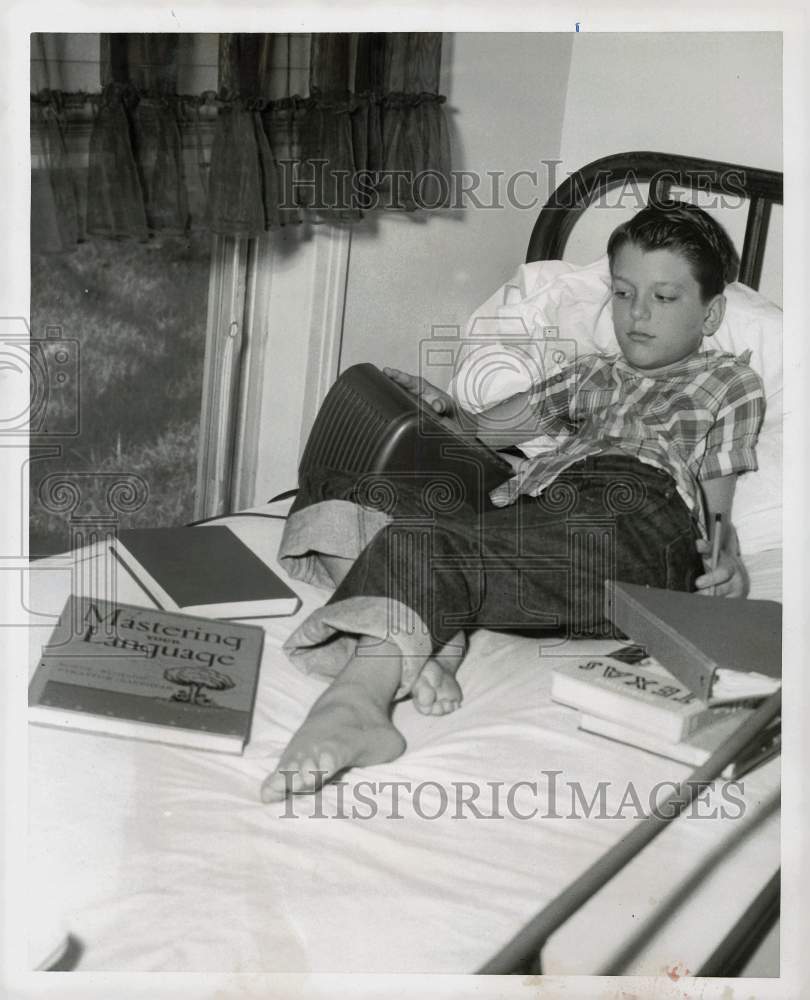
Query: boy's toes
{"points": [[292, 779], [424, 698], [444, 706], [436, 691], [305, 777], [426, 686], [274, 787]]}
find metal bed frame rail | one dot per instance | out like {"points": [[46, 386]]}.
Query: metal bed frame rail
{"points": [[522, 953]]}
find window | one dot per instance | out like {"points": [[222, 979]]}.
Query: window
{"points": [[118, 332]]}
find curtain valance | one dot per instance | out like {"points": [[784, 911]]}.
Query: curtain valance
{"points": [[324, 127]]}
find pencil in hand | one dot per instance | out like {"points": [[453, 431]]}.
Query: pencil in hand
{"points": [[716, 538]]}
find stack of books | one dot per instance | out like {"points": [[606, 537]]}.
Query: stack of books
{"points": [[182, 672], [713, 660]]}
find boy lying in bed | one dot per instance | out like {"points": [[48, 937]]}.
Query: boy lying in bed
{"points": [[656, 438]]}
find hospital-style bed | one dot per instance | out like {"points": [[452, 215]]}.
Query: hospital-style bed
{"points": [[155, 858]]}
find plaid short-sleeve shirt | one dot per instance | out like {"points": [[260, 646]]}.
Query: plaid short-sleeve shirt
{"points": [[697, 419]]}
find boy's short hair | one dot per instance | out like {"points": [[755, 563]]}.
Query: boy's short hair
{"points": [[687, 230]]}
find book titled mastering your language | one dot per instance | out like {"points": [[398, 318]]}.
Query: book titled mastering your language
{"points": [[128, 671]]}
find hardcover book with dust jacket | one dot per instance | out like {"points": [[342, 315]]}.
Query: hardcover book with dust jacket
{"points": [[153, 675]]}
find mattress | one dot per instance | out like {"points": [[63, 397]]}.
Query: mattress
{"points": [[159, 858]]}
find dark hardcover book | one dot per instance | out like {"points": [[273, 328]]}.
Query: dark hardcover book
{"points": [[204, 571], [146, 674], [722, 649]]}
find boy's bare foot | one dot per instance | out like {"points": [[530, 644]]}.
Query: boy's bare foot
{"points": [[347, 725], [436, 690]]}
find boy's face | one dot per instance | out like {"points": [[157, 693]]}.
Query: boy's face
{"points": [[658, 312]]}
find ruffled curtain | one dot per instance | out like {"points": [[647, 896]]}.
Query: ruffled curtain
{"points": [[414, 133], [135, 172], [246, 188], [56, 215], [324, 127]]}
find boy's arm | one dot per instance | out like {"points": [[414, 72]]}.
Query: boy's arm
{"points": [[730, 578], [730, 450], [509, 422]]}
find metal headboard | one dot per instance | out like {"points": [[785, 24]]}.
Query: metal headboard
{"points": [[663, 171]]}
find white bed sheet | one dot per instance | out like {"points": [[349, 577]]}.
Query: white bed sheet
{"points": [[163, 859]]}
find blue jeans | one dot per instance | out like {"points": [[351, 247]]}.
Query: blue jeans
{"points": [[537, 566]]}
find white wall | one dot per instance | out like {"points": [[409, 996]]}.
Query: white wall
{"points": [[506, 94], [716, 95], [704, 94]]}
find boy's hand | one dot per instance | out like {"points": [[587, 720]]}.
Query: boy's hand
{"points": [[440, 402], [730, 579]]}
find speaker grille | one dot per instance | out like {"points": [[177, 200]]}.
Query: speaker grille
{"points": [[347, 432]]}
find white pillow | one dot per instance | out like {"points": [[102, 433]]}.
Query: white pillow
{"points": [[551, 310]]}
